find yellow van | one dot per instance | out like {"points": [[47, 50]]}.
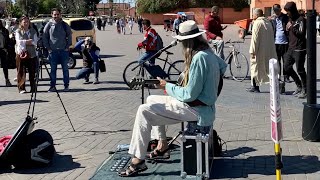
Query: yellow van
{"points": [[80, 28]]}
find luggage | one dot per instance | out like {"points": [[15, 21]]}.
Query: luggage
{"points": [[197, 154]]}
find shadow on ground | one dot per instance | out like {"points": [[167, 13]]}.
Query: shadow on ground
{"points": [[242, 167], [2, 103], [61, 163]]}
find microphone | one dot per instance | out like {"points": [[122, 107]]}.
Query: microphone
{"points": [[173, 43]]}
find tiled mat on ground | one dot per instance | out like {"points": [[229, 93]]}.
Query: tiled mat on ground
{"points": [[166, 169]]}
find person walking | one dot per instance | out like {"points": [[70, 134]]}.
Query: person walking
{"points": [[4, 41], [26, 58], [279, 23], [123, 25], [90, 52], [176, 24], [297, 49], [262, 30], [130, 24], [212, 25], [140, 24], [57, 39]]}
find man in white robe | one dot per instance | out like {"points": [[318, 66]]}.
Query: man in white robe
{"points": [[262, 49]]}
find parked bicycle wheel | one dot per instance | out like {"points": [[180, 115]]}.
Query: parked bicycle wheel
{"points": [[175, 69], [239, 67]]}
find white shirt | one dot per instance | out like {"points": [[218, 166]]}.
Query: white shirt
{"points": [[21, 43]]}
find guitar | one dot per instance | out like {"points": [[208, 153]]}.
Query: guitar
{"points": [[136, 83]]}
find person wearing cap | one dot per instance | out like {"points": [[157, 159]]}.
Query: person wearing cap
{"points": [[193, 101], [262, 49], [26, 42], [90, 52], [212, 25], [296, 53], [176, 24], [279, 23]]}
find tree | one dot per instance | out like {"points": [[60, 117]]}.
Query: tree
{"points": [[15, 11], [29, 7], [158, 6], [45, 6]]}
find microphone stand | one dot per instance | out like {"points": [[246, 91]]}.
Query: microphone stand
{"points": [[173, 43]]}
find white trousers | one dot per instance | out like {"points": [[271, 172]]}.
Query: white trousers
{"points": [[157, 111]]}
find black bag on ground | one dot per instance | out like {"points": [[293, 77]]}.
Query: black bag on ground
{"points": [[217, 144], [102, 66], [36, 151]]}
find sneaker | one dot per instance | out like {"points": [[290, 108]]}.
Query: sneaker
{"points": [[96, 81], [86, 81], [303, 94], [297, 91], [66, 89], [22, 91], [52, 89], [8, 83], [253, 89]]}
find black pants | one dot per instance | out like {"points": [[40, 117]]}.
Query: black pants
{"points": [[296, 57], [281, 50], [4, 63]]}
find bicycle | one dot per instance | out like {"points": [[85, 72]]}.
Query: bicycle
{"points": [[238, 63], [134, 70]]}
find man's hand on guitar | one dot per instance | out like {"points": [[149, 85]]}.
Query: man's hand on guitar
{"points": [[162, 84]]}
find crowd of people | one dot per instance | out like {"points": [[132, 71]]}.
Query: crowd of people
{"points": [[25, 48], [288, 46]]}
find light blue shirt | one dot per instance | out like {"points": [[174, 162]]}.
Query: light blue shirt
{"points": [[281, 38], [204, 75]]}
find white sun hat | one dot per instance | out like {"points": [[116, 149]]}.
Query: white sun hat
{"points": [[188, 30]]}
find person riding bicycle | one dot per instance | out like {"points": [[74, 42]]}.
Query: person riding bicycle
{"points": [[149, 43], [212, 25]]}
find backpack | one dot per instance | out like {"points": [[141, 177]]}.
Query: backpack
{"points": [[217, 144], [159, 43]]}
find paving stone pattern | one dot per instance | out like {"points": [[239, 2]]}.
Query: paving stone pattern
{"points": [[103, 117]]}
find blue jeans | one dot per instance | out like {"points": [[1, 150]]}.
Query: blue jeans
{"points": [[85, 71], [219, 45], [146, 55], [59, 57]]}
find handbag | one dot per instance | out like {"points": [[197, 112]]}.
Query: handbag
{"points": [[102, 65], [24, 55]]}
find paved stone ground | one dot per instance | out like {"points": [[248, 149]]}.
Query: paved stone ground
{"points": [[103, 117]]}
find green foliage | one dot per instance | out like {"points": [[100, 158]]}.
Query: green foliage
{"points": [[45, 6], [157, 6], [15, 11]]}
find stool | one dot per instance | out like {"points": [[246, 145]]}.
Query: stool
{"points": [[196, 151]]}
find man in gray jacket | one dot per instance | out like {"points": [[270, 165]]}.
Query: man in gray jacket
{"points": [[57, 40]]}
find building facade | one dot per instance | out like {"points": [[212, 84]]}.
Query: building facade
{"points": [[266, 5]]}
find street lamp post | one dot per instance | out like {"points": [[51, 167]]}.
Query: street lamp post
{"points": [[310, 124]]}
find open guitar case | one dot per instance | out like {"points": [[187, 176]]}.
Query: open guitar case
{"points": [[28, 148]]}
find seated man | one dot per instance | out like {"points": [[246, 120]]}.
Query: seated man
{"points": [[193, 101], [149, 42], [90, 52], [212, 25]]}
